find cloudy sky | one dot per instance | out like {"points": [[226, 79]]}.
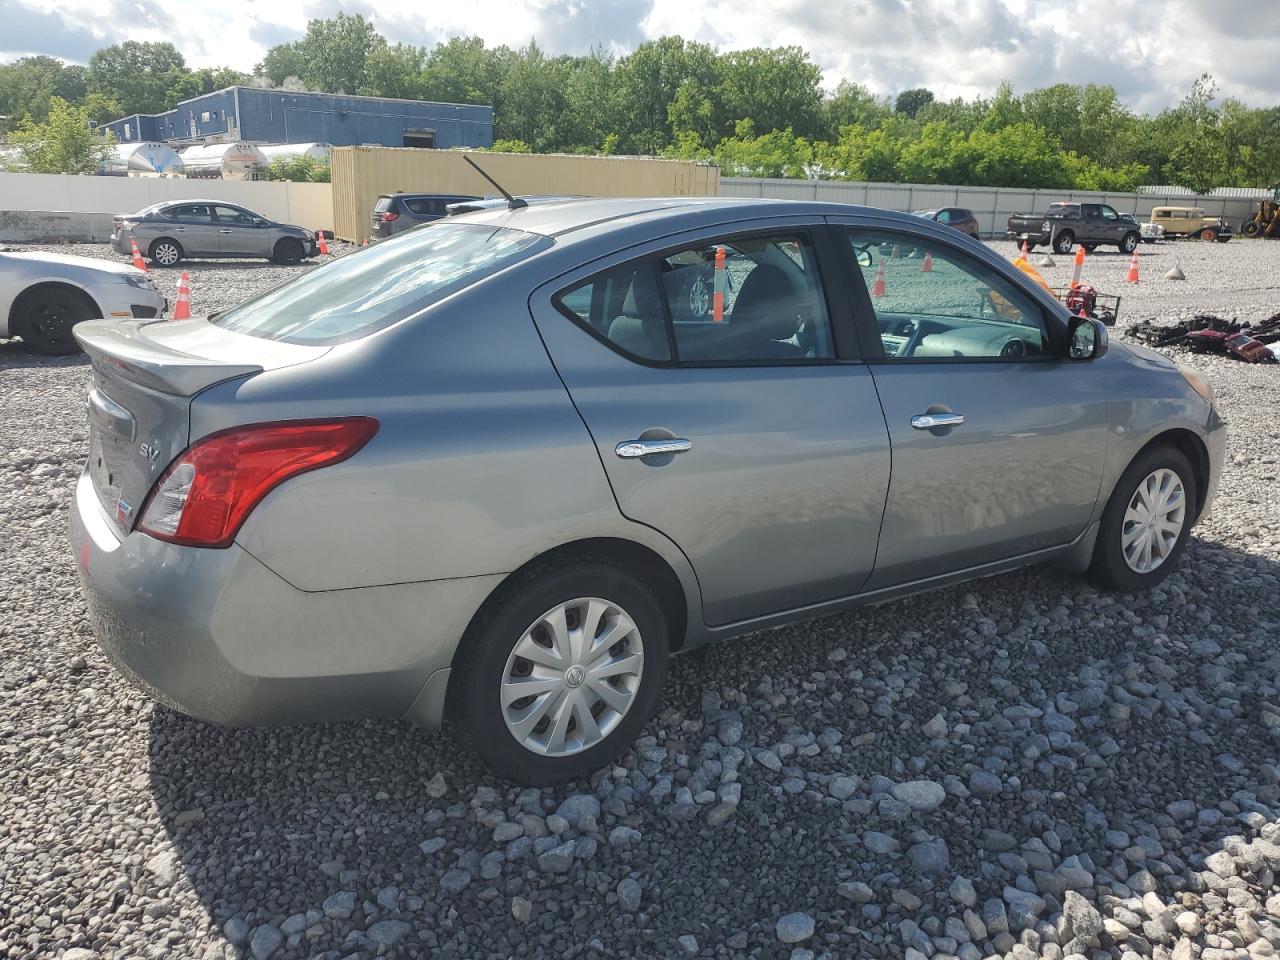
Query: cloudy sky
{"points": [[1151, 51]]}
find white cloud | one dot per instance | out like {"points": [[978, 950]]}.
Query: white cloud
{"points": [[1150, 52]]}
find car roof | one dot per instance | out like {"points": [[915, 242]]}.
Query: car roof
{"points": [[564, 218]]}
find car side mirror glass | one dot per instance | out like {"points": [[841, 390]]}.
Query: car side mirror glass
{"points": [[259, 222], [864, 256], [1087, 339]]}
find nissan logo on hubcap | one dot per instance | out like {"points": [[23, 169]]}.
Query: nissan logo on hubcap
{"points": [[574, 676]]}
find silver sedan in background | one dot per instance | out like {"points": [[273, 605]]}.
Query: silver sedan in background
{"points": [[169, 232], [494, 467]]}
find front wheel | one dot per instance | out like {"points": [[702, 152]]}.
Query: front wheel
{"points": [[44, 319], [561, 671], [1063, 242], [288, 251], [1129, 242], [1146, 522]]}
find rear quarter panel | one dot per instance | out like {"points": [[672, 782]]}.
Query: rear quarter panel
{"points": [[480, 463]]}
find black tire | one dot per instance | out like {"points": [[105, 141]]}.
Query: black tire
{"points": [[165, 252], [1063, 242], [479, 667], [1252, 228], [1109, 569], [1129, 242], [1223, 238], [43, 318], [288, 251], [1019, 244], [1089, 247]]}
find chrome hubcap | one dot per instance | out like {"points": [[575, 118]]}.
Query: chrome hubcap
{"points": [[572, 677], [699, 298], [1153, 520]]}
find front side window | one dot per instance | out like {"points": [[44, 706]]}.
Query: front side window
{"points": [[742, 299], [233, 215], [360, 293], [934, 303], [1108, 213]]}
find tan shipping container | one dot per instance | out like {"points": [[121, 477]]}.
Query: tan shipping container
{"points": [[360, 174]]}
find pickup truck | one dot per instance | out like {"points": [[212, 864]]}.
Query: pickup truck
{"points": [[1066, 224]]}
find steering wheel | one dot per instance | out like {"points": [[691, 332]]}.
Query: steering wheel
{"points": [[1014, 349]]}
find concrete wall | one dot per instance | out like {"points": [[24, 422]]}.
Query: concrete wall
{"points": [[360, 174], [991, 205], [61, 207]]}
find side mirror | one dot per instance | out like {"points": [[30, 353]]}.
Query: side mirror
{"points": [[864, 256], [1087, 339], [260, 222]]}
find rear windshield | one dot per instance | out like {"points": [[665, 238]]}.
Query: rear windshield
{"points": [[365, 291]]}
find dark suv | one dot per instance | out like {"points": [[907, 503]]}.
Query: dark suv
{"points": [[397, 212]]}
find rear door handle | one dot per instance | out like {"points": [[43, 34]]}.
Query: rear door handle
{"points": [[931, 421], [224, 230], [634, 449]]}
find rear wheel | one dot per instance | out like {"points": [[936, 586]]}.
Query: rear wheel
{"points": [[1208, 234], [288, 251], [44, 318], [561, 671], [166, 252], [1064, 241], [1146, 522]]}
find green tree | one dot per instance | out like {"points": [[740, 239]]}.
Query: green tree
{"points": [[1019, 155], [219, 78], [532, 95], [910, 102], [281, 62], [28, 84], [394, 71], [64, 143], [939, 154], [335, 52], [777, 89], [300, 169], [646, 82], [852, 104], [1197, 155], [141, 77], [463, 70], [778, 153]]}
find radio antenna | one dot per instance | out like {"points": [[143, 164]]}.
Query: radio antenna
{"points": [[513, 203]]}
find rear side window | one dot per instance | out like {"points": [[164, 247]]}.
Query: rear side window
{"points": [[366, 291], [422, 206], [741, 299], [383, 205]]}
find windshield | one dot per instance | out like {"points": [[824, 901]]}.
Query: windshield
{"points": [[363, 292]]}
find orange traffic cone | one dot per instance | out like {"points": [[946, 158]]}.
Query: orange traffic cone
{"points": [[1132, 275], [182, 308], [877, 290], [927, 265], [366, 242], [1079, 265], [1026, 251], [137, 255], [321, 244]]}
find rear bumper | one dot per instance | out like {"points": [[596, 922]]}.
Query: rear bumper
{"points": [[215, 634]]}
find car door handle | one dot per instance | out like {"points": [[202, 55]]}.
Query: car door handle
{"points": [[634, 449], [224, 230], [931, 421], [178, 229]]}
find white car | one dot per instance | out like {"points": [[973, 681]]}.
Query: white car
{"points": [[43, 295]]}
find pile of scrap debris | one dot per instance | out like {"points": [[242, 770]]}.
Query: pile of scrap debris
{"points": [[1205, 333]]}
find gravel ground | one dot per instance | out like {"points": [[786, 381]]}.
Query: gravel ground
{"points": [[1022, 767]]}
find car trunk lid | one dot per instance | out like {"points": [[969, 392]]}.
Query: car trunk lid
{"points": [[145, 375]]}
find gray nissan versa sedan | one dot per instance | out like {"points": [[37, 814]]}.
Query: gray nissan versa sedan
{"points": [[503, 466]]}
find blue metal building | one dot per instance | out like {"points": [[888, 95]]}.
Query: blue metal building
{"points": [[280, 116]]}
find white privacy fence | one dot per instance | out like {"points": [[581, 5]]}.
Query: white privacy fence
{"points": [[991, 205]]}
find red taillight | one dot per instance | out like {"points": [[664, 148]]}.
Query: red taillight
{"points": [[204, 496], [388, 217]]}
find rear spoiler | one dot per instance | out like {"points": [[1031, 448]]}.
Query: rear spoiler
{"points": [[121, 348]]}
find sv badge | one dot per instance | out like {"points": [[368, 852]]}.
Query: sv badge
{"points": [[150, 451]]}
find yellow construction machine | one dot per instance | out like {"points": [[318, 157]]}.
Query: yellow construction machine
{"points": [[1266, 221]]}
